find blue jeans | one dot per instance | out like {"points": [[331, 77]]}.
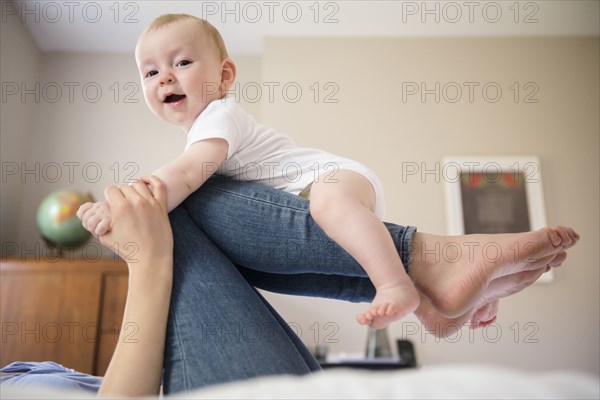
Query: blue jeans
{"points": [[231, 236]]}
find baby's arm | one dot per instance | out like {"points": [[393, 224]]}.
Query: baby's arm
{"points": [[189, 171], [182, 177]]}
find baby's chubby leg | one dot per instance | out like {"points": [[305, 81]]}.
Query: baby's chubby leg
{"points": [[342, 203]]}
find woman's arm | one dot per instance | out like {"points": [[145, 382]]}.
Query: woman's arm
{"points": [[141, 235]]}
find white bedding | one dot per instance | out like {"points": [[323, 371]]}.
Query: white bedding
{"points": [[439, 382]]}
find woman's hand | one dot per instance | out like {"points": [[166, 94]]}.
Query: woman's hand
{"points": [[140, 228], [141, 234]]}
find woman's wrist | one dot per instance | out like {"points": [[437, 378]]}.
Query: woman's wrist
{"points": [[145, 270]]}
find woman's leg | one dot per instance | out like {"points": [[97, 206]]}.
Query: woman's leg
{"points": [[268, 230], [220, 329], [348, 288]]}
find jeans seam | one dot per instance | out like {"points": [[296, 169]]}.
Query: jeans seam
{"points": [[181, 351], [406, 241], [247, 197]]}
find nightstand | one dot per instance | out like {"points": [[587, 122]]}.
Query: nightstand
{"points": [[61, 310]]}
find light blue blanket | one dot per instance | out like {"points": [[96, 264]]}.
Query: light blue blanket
{"points": [[48, 374]]}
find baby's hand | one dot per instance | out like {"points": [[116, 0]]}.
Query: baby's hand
{"points": [[95, 217]]}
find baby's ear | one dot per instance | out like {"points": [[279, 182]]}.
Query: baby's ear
{"points": [[228, 73]]}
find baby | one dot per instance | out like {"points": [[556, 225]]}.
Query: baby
{"points": [[186, 73]]}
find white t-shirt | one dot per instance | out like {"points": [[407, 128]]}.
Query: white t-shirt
{"points": [[257, 153]]}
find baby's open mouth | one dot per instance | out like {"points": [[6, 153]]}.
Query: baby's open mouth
{"points": [[172, 98]]}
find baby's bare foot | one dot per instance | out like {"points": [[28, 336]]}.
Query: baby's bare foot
{"points": [[391, 303], [454, 272]]}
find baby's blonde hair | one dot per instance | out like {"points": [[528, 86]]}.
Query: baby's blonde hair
{"points": [[206, 26]]}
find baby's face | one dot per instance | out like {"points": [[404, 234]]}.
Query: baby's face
{"points": [[180, 71]]}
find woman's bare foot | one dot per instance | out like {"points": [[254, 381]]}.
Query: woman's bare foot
{"points": [[461, 274], [440, 326], [485, 316], [486, 310]]}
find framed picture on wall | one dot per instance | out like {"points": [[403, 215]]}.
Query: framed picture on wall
{"points": [[494, 195]]}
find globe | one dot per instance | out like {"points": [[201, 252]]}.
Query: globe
{"points": [[57, 222]]}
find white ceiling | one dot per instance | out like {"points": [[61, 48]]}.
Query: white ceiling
{"points": [[111, 26]]}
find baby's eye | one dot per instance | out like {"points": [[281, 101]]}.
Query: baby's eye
{"points": [[183, 63], [150, 74]]}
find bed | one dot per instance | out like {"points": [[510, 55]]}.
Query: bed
{"points": [[464, 381]]}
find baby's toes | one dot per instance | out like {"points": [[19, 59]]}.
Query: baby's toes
{"points": [[382, 310], [364, 318], [389, 310], [392, 310], [374, 312]]}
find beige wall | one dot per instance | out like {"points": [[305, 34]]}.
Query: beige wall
{"points": [[371, 123], [19, 62]]}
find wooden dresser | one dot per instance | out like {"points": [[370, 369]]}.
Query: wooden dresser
{"points": [[66, 311]]}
